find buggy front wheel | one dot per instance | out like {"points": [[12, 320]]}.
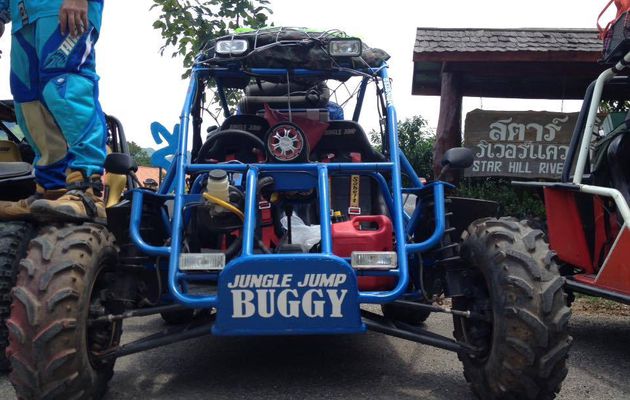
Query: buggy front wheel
{"points": [[62, 284], [14, 237], [523, 341]]}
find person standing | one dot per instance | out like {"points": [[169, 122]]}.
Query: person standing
{"points": [[55, 89]]}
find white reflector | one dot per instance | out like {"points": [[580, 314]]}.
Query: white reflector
{"points": [[201, 261], [374, 260], [238, 46]]}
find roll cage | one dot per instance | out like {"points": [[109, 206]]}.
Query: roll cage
{"points": [[578, 156], [298, 176]]}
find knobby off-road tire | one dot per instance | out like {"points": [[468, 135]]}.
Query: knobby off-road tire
{"points": [[59, 286], [14, 237], [526, 340]]}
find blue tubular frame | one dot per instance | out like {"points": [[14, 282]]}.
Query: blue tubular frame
{"points": [[403, 225]]}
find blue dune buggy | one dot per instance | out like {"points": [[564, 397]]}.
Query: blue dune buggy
{"points": [[284, 220]]}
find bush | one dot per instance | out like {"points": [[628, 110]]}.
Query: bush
{"points": [[416, 140], [519, 202]]}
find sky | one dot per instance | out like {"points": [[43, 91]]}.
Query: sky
{"points": [[139, 86]]}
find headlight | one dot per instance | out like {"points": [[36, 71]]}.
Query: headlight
{"points": [[345, 47], [201, 261], [374, 260], [236, 46]]}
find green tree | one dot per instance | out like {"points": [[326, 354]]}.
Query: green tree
{"points": [[187, 25], [416, 140], [139, 154]]}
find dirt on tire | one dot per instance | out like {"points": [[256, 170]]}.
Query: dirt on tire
{"points": [[14, 237], [50, 341], [527, 340]]}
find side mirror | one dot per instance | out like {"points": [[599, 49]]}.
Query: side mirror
{"points": [[458, 157], [120, 163]]}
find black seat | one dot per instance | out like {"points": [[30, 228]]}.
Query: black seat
{"points": [[371, 201], [17, 180], [247, 122], [233, 145], [341, 139], [619, 163], [345, 137], [12, 170]]}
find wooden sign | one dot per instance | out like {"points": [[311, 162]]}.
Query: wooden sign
{"points": [[523, 144]]}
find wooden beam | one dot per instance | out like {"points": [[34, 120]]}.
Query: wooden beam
{"points": [[527, 70], [449, 128], [508, 56], [558, 88]]}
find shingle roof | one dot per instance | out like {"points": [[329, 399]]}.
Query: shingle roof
{"points": [[438, 40]]}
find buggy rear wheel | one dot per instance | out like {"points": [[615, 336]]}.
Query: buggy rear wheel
{"points": [[524, 341], [63, 282], [14, 237]]}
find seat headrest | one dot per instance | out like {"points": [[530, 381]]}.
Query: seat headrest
{"points": [[247, 122], [347, 136]]}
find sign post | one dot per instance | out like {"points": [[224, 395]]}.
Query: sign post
{"points": [[518, 144]]}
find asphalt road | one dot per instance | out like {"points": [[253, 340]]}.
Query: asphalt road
{"points": [[369, 366]]}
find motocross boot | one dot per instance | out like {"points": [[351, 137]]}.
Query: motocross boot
{"points": [[82, 202], [21, 210]]}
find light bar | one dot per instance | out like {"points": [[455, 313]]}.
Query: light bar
{"points": [[202, 261], [350, 47], [374, 260], [236, 46]]}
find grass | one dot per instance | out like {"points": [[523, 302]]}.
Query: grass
{"points": [[596, 305]]}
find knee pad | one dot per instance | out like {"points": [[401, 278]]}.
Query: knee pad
{"points": [[72, 101], [41, 132]]}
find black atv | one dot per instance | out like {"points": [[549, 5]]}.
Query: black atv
{"points": [[17, 181]]}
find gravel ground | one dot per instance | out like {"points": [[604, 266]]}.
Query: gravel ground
{"points": [[369, 366]]}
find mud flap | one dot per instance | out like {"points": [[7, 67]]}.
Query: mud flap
{"points": [[288, 295]]}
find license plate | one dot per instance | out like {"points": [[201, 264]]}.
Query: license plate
{"points": [[283, 294]]}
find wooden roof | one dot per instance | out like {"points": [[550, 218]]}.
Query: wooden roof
{"points": [[523, 63]]}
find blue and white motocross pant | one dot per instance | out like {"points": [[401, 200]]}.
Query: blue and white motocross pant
{"points": [[55, 88]]}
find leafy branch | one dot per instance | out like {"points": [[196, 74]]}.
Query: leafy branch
{"points": [[187, 25]]}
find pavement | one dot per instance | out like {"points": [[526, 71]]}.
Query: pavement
{"points": [[371, 366]]}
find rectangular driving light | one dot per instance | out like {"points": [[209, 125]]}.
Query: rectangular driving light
{"points": [[349, 47], [234, 47], [374, 260], [202, 262]]}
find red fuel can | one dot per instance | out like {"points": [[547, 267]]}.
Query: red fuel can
{"points": [[365, 233]]}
